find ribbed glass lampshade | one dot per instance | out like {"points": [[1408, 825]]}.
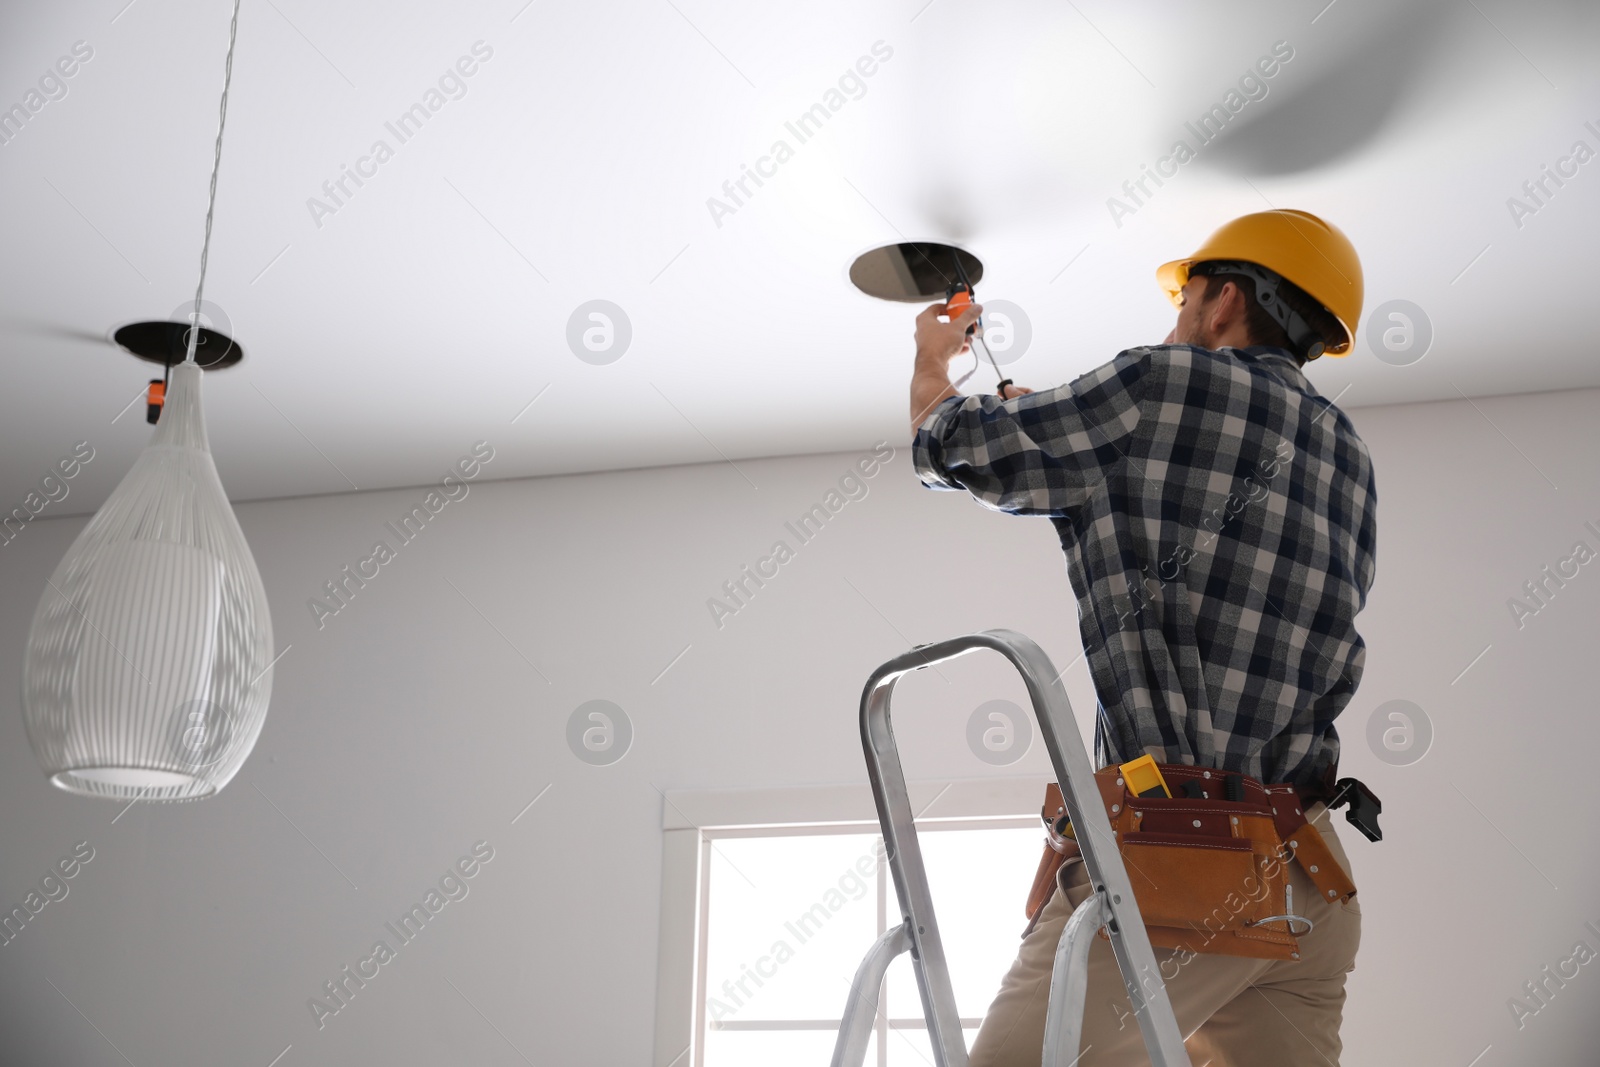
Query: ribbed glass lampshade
{"points": [[146, 671]]}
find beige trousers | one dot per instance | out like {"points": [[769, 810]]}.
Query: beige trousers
{"points": [[1233, 1011]]}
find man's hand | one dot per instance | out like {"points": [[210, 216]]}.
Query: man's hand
{"points": [[944, 340], [937, 344]]}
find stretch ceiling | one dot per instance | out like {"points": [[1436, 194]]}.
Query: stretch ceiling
{"points": [[422, 206]]}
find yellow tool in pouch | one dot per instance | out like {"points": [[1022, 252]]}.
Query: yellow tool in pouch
{"points": [[1144, 778]]}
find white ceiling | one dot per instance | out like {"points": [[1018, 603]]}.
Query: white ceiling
{"points": [[433, 306]]}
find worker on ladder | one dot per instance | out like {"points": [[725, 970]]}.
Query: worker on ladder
{"points": [[1217, 517]]}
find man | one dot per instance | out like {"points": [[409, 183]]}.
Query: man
{"points": [[1217, 516]]}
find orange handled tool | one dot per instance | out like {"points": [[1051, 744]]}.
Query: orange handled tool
{"points": [[155, 396], [957, 298]]}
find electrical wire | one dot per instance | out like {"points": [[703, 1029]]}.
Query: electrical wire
{"points": [[976, 363], [977, 336], [211, 201]]}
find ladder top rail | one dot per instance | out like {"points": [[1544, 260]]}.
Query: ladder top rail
{"points": [[1020, 649], [1051, 710]]}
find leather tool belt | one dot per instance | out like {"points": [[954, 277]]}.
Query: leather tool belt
{"points": [[1210, 873]]}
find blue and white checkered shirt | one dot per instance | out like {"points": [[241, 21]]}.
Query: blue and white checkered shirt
{"points": [[1217, 515]]}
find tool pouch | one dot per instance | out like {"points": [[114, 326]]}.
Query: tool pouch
{"points": [[1210, 873]]}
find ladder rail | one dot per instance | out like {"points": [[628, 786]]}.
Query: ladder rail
{"points": [[1075, 775], [861, 1010], [1069, 984]]}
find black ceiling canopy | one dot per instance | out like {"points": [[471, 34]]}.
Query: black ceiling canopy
{"points": [[912, 271]]}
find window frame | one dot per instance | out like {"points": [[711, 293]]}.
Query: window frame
{"points": [[694, 820]]}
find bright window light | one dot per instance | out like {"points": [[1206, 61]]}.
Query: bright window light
{"points": [[787, 914]]}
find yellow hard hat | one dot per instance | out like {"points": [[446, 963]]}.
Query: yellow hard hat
{"points": [[1296, 245]]}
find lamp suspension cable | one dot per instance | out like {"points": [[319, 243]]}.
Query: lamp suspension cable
{"points": [[211, 199], [148, 669]]}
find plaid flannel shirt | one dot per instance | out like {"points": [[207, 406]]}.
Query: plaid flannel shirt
{"points": [[1217, 516]]}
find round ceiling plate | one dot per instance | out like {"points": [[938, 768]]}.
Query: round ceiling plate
{"points": [[912, 271], [167, 343]]}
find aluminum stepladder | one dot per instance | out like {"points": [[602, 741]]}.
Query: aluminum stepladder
{"points": [[1111, 903]]}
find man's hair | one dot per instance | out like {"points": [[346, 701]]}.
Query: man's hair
{"points": [[1262, 327]]}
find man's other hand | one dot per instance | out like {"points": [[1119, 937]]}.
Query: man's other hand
{"points": [[1007, 392], [944, 340]]}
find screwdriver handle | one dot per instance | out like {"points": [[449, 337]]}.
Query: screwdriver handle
{"points": [[957, 300]]}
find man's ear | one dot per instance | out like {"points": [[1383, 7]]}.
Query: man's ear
{"points": [[1225, 308]]}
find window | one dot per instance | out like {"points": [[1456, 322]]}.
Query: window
{"points": [[787, 913]]}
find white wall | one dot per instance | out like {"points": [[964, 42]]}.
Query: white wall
{"points": [[411, 726]]}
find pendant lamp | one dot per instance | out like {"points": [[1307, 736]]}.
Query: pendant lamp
{"points": [[147, 673]]}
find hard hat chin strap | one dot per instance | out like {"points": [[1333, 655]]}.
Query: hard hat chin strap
{"points": [[1301, 335]]}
